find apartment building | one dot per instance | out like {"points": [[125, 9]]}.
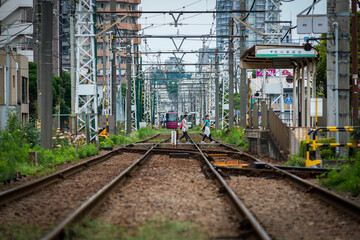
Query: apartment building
{"points": [[128, 26], [16, 26], [18, 87]]}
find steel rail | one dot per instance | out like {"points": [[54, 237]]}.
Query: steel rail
{"points": [[17, 192], [91, 203], [258, 229], [326, 195]]}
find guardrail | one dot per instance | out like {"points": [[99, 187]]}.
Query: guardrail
{"points": [[280, 131], [314, 144]]}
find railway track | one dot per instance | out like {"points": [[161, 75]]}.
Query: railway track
{"points": [[53, 197], [180, 180], [267, 202], [17, 192]]}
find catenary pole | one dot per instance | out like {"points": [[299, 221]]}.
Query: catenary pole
{"points": [[243, 78], [217, 89], [355, 89], [128, 86], [113, 65], [72, 67], [231, 76], [46, 73]]}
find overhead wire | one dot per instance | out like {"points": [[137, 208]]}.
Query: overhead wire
{"points": [[288, 31]]}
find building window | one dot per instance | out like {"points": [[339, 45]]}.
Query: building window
{"points": [[24, 90], [13, 81]]}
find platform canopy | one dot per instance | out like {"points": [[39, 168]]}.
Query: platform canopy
{"points": [[275, 56]]}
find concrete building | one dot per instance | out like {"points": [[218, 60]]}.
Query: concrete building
{"points": [[264, 22], [128, 26], [18, 88], [16, 26]]}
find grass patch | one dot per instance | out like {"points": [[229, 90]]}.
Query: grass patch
{"points": [[346, 180], [18, 140], [295, 160], [135, 136], [22, 232], [232, 136], [152, 230]]}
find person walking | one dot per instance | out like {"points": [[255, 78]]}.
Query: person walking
{"points": [[206, 129], [184, 128]]}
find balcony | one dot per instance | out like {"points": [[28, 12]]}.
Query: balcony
{"points": [[10, 6], [18, 30]]}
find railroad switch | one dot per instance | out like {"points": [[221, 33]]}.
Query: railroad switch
{"points": [[259, 165]]}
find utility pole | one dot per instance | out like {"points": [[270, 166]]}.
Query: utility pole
{"points": [[243, 78], [128, 86], [231, 75], [105, 90], [72, 67], [217, 90], [38, 51], [338, 74], [46, 73], [113, 65], [7, 81], [355, 90]]}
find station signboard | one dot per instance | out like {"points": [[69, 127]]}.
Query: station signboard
{"points": [[284, 52]]}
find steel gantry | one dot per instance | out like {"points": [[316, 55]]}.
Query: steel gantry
{"points": [[147, 100], [133, 92], [86, 85]]}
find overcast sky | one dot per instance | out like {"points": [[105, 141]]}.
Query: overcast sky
{"points": [[197, 24]]}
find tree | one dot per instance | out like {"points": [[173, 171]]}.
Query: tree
{"points": [[61, 91], [33, 90], [321, 69], [237, 101]]}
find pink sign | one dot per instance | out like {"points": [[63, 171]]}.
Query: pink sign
{"points": [[270, 72], [259, 73], [286, 73]]}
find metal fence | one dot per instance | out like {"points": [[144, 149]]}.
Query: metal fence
{"points": [[280, 132]]}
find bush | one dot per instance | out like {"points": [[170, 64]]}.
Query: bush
{"points": [[327, 153], [347, 179], [196, 128], [322, 140], [18, 141], [121, 139], [233, 136], [88, 151], [145, 132], [295, 160]]}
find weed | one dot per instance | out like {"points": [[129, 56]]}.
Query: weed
{"points": [[347, 179], [295, 160], [135, 136], [233, 136], [21, 232], [152, 230], [88, 151]]}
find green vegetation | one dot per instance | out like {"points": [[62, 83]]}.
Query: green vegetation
{"points": [[19, 140], [295, 160], [21, 232], [232, 136], [151, 230], [326, 152], [347, 179], [135, 136], [61, 91], [88, 151]]}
